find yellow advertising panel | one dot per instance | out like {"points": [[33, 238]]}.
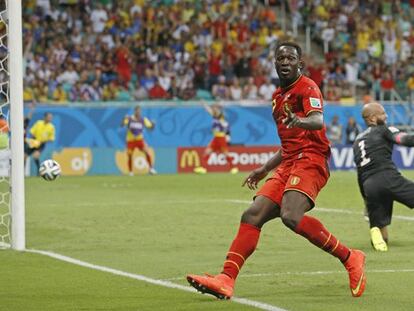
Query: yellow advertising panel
{"points": [[74, 161]]}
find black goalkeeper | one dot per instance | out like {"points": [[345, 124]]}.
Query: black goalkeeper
{"points": [[379, 180]]}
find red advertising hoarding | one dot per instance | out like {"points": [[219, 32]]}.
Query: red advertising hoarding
{"points": [[244, 158]]}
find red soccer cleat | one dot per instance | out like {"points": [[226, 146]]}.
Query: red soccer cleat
{"points": [[355, 265], [220, 285]]}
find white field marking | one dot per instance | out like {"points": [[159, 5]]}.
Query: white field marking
{"points": [[128, 203], [330, 210], [4, 245], [252, 303], [253, 275], [142, 202]]}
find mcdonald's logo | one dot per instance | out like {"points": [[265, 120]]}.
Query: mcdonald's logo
{"points": [[189, 158]]}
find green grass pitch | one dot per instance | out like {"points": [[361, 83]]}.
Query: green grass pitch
{"points": [[166, 226]]}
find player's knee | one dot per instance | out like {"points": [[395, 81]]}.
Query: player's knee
{"points": [[249, 217], [289, 219], [252, 216]]}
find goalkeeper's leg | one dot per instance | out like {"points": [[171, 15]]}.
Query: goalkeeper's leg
{"points": [[379, 206]]}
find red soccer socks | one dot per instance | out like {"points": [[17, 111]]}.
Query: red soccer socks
{"points": [[242, 247], [313, 230], [222, 285]]}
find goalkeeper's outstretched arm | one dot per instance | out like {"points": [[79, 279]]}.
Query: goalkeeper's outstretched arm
{"points": [[404, 139]]}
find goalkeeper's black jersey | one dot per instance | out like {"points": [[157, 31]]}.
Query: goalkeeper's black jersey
{"points": [[373, 151]]}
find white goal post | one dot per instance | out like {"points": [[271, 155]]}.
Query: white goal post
{"points": [[17, 196]]}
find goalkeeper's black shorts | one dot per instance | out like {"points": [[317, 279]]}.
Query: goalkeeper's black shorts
{"points": [[380, 192]]}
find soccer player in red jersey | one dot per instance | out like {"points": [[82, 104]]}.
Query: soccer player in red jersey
{"points": [[135, 138], [300, 171], [221, 138]]}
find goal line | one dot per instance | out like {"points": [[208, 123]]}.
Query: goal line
{"points": [[243, 301]]}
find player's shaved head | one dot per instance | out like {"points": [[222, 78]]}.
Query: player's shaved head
{"points": [[374, 114]]}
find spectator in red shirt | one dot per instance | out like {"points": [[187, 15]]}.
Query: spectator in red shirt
{"points": [[316, 73], [157, 92], [387, 82], [220, 27], [123, 66], [387, 85], [214, 67]]}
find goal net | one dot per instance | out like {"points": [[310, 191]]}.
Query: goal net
{"points": [[5, 208], [12, 225]]}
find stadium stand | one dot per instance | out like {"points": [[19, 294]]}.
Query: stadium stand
{"points": [[367, 45], [83, 50], [120, 50]]}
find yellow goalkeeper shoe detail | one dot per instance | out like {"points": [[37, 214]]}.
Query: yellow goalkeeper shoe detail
{"points": [[234, 170], [200, 170], [377, 240]]}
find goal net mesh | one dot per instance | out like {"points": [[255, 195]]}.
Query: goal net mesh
{"points": [[5, 210]]}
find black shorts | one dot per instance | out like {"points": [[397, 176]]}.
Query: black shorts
{"points": [[381, 190], [28, 150]]}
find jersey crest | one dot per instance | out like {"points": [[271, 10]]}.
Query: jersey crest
{"points": [[295, 180]]}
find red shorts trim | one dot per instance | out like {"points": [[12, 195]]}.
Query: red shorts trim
{"points": [[135, 144], [218, 144], [307, 175]]}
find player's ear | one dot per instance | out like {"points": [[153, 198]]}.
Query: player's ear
{"points": [[301, 65]]}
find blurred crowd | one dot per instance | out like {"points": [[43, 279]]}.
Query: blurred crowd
{"points": [[135, 49], [103, 50], [367, 45], [337, 133]]}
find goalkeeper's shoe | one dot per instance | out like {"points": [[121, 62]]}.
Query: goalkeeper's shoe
{"points": [[220, 285], [200, 170], [234, 170], [355, 265], [377, 240]]}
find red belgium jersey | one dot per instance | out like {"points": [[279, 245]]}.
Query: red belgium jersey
{"points": [[302, 97]]}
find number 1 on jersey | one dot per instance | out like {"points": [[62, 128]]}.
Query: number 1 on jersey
{"points": [[364, 159]]}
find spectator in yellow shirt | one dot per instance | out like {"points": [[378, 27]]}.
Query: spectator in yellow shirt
{"points": [[28, 94], [410, 83], [59, 94], [41, 132]]}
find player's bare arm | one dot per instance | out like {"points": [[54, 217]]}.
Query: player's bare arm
{"points": [[314, 121], [258, 174], [208, 108]]}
